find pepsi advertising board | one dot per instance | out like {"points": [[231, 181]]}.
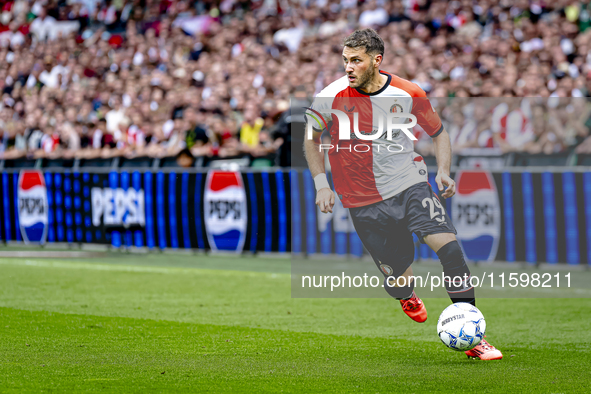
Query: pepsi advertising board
{"points": [[225, 211], [32, 207], [476, 214], [515, 216], [217, 211], [494, 214]]}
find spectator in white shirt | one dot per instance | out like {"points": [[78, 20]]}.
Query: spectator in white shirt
{"points": [[49, 76], [41, 27], [116, 116], [373, 16]]}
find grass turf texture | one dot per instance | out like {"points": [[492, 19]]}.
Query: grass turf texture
{"points": [[129, 323]]}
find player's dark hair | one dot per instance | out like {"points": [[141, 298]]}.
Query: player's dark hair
{"points": [[367, 38]]}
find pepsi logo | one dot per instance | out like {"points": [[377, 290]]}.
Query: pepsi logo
{"points": [[32, 206], [118, 207], [476, 214], [225, 211]]}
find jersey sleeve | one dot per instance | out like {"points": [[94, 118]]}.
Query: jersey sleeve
{"points": [[319, 112], [319, 117], [426, 115]]}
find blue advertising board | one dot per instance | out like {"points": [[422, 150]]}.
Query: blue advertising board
{"points": [[513, 215]]}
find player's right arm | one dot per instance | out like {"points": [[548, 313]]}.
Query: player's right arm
{"points": [[320, 119], [315, 157]]}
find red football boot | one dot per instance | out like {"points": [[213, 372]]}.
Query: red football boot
{"points": [[414, 308], [485, 351]]}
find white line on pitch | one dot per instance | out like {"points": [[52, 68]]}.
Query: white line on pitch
{"points": [[132, 268]]}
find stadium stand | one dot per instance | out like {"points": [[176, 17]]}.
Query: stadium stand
{"points": [[191, 82]]}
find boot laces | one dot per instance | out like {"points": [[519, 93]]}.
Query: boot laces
{"points": [[411, 304], [485, 345]]}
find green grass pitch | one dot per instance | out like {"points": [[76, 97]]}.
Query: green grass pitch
{"points": [[180, 323]]}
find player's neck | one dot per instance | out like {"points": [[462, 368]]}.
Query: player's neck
{"points": [[376, 83]]}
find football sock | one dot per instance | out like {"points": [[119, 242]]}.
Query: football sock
{"points": [[456, 273], [400, 293], [409, 297]]}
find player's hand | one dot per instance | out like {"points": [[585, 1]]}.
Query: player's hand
{"points": [[442, 180], [325, 200]]}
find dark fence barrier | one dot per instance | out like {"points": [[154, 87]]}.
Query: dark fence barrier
{"points": [[515, 215], [512, 215], [153, 209]]}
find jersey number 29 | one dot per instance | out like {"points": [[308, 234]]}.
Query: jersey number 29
{"points": [[434, 203]]}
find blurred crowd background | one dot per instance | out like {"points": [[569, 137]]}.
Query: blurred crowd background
{"points": [[207, 80]]}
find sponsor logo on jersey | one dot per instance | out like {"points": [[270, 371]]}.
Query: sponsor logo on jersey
{"points": [[476, 214], [32, 206], [390, 124], [395, 134], [117, 207], [225, 211]]}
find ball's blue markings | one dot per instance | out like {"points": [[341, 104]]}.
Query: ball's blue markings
{"points": [[465, 337], [479, 334]]}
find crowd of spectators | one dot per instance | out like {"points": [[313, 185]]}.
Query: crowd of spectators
{"points": [[494, 126], [105, 78]]}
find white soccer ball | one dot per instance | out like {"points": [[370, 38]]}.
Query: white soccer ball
{"points": [[461, 326]]}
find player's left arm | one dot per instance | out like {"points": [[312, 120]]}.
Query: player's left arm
{"points": [[429, 120], [443, 155]]}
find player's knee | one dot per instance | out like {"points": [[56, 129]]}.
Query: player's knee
{"points": [[395, 283], [452, 258], [439, 239]]}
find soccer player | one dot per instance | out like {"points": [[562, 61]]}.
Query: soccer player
{"points": [[382, 180]]}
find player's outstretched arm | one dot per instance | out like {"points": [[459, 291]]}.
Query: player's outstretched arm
{"points": [[324, 195], [443, 155]]}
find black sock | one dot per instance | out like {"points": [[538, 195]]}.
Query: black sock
{"points": [[409, 297], [456, 274], [400, 293]]}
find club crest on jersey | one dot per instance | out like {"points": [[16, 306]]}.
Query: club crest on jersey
{"points": [[396, 108], [32, 206]]}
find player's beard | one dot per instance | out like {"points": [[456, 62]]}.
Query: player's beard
{"points": [[363, 80]]}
